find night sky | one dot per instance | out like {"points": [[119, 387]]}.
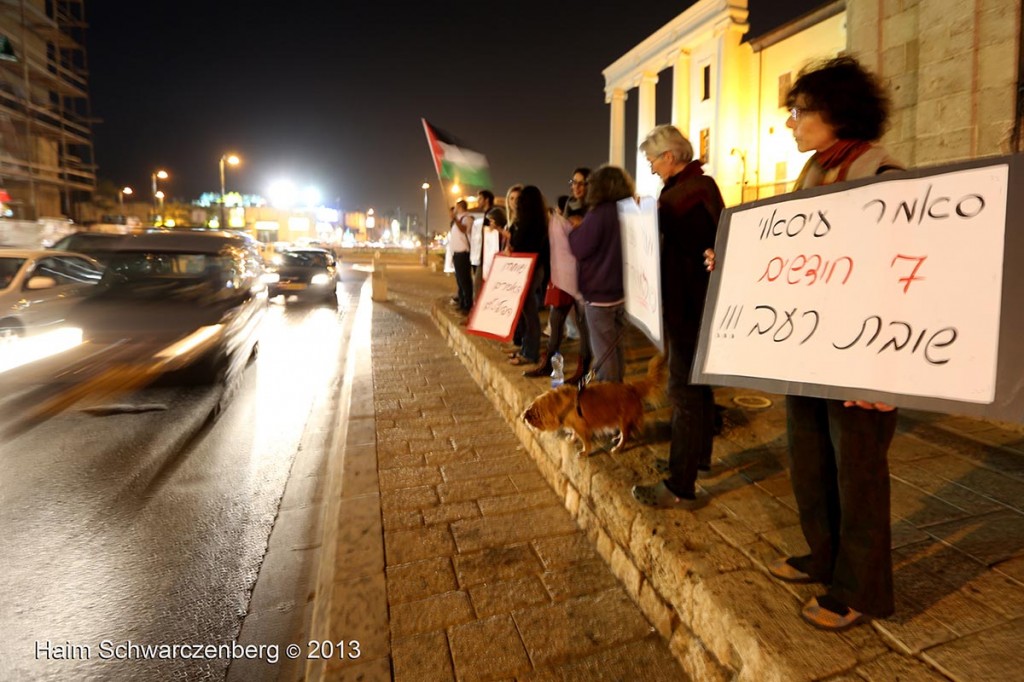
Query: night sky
{"points": [[330, 93]]}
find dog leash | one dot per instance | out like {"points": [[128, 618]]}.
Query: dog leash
{"points": [[589, 376]]}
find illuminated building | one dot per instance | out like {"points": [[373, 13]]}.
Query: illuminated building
{"points": [[47, 160], [949, 67]]}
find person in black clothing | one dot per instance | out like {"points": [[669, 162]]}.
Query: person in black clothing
{"points": [[688, 211], [531, 236]]}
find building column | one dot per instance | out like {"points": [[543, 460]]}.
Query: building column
{"points": [[681, 92], [617, 134], [647, 184]]}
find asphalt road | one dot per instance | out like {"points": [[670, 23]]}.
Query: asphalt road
{"points": [[144, 520]]}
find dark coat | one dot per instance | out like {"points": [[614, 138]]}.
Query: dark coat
{"points": [[688, 211]]}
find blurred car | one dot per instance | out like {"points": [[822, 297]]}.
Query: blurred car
{"points": [[96, 245], [305, 272], [39, 287], [188, 302]]}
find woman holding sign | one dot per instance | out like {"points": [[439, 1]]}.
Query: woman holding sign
{"points": [[839, 449]]}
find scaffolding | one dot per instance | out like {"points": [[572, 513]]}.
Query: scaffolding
{"points": [[46, 152]]}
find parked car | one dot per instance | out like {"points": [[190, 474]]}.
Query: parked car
{"points": [[38, 289], [305, 272], [96, 245], [187, 302]]}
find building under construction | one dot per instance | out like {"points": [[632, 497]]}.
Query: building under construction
{"points": [[46, 153]]}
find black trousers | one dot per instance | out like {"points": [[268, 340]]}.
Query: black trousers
{"points": [[463, 279], [693, 421], [840, 474], [556, 319]]}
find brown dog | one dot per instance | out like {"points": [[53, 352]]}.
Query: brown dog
{"points": [[601, 406]]}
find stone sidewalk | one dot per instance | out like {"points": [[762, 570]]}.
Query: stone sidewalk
{"points": [[453, 559], [455, 497]]}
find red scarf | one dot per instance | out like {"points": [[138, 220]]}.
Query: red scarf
{"points": [[841, 155]]}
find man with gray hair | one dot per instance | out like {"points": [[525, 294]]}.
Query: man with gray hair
{"points": [[688, 211]]}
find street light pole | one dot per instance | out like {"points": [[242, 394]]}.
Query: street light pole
{"points": [[233, 160], [157, 204], [426, 212]]}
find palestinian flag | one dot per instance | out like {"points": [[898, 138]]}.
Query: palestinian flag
{"points": [[455, 161]]}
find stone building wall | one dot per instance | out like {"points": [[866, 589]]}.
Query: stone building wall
{"points": [[951, 68]]}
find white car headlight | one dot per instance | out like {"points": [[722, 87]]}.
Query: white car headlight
{"points": [[322, 278], [270, 277]]}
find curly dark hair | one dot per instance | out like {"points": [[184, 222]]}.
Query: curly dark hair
{"points": [[609, 183], [846, 95]]}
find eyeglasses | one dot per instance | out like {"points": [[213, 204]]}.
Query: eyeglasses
{"points": [[651, 160], [796, 112], [577, 183]]}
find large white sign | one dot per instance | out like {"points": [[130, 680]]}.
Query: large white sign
{"points": [[892, 287], [497, 308], [641, 265]]}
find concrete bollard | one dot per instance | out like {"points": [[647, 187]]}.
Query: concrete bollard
{"points": [[379, 280]]}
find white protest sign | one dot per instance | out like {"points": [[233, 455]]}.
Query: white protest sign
{"points": [[492, 245], [497, 308], [641, 265], [892, 287]]}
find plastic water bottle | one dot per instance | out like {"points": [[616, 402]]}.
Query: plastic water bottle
{"points": [[557, 375]]}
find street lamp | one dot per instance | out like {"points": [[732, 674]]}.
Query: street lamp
{"points": [[234, 161], [456, 189], [121, 195], [157, 174], [426, 215]]}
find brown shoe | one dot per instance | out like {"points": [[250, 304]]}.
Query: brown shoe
{"points": [[541, 370]]}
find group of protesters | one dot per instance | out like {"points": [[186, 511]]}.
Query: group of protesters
{"points": [[838, 449]]}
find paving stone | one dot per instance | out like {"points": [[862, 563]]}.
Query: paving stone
{"points": [[529, 481], [505, 597], [564, 550], [405, 499], [507, 504], [359, 547], [488, 649], [400, 460], [449, 456], [953, 608], [402, 520], [422, 657], [361, 670], [484, 468], [766, 639], [657, 611], [420, 579], [433, 613], [920, 508], [760, 511], [577, 627], [990, 538], [951, 493], [475, 489], [446, 513], [496, 563], [496, 531], [614, 505], [990, 655], [647, 660], [359, 611], [576, 580], [896, 666], [913, 629], [405, 546], [983, 481], [409, 477]]}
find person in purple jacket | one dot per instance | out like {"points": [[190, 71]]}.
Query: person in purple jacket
{"points": [[597, 245]]}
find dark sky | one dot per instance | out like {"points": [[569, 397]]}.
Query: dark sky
{"points": [[330, 92]]}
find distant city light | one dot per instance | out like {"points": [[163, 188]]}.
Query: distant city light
{"points": [[282, 194], [311, 196]]}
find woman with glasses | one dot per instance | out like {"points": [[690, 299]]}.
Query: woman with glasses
{"points": [[839, 449]]}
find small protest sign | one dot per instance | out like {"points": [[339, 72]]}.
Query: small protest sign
{"points": [[497, 308], [895, 289], [641, 266]]}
